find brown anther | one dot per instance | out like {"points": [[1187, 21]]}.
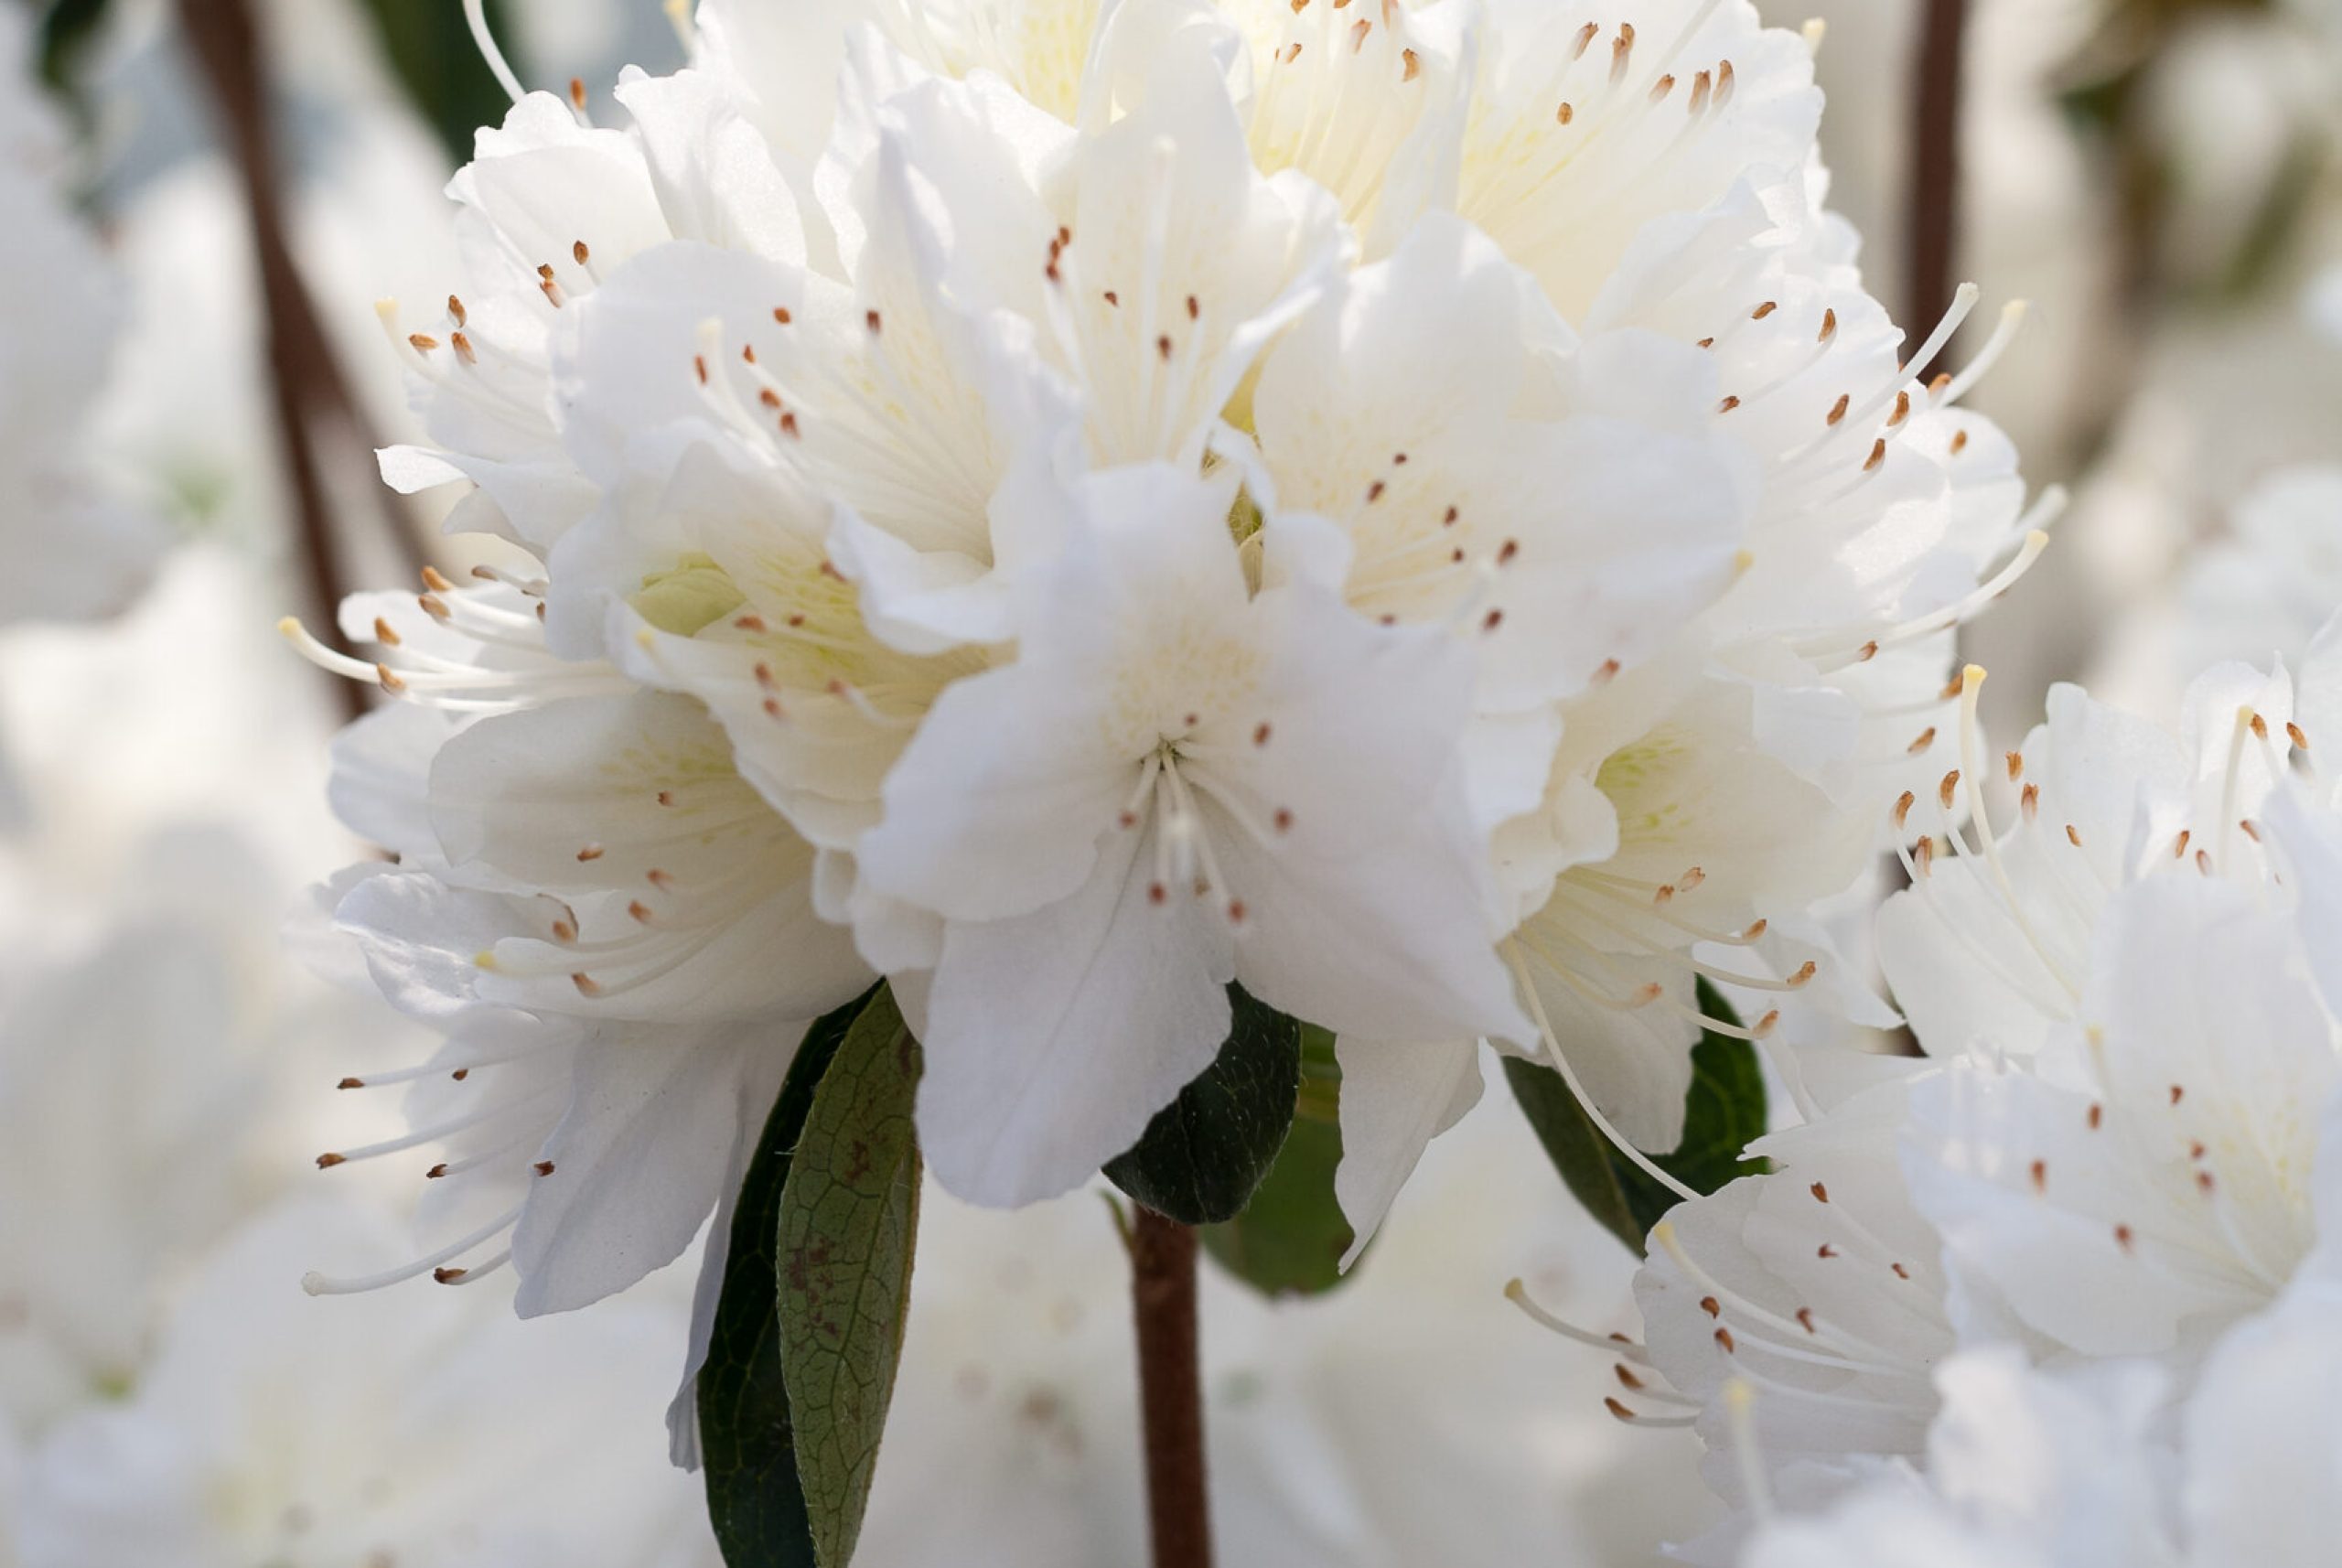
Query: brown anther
{"points": [[2249, 831], [563, 931], [2179, 846], [660, 879], [579, 253], [1194, 308], [1374, 491], [1236, 911], [1508, 552], [1923, 854], [1821, 1193], [1868, 651], [1948, 790], [351, 1083], [699, 368], [591, 852], [1805, 1318], [751, 622], [1723, 1338], [390, 679], [789, 424], [2178, 1093], [2293, 733], [1607, 671], [2123, 1237], [1666, 894], [871, 319], [2204, 861], [1702, 85], [543, 1167], [1662, 88], [1620, 48], [1958, 442], [326, 1162], [1805, 973], [1927, 739], [436, 1172], [385, 633], [1283, 820], [457, 312], [1492, 620], [1825, 1252], [1691, 879], [1157, 893], [1113, 298], [773, 709], [749, 353], [1620, 1411], [586, 985], [764, 676], [1901, 813], [1753, 932], [1410, 65], [2097, 1116], [639, 910], [421, 342], [1261, 734], [448, 1276], [1586, 37], [2030, 802], [2259, 727], [781, 314], [463, 348], [1128, 819], [2041, 1175], [1764, 310], [1626, 1378], [1358, 34], [1902, 410], [1877, 456], [1838, 410], [2072, 837], [2204, 1183], [1727, 405], [1564, 115], [1900, 1272], [1709, 1305], [577, 94]]}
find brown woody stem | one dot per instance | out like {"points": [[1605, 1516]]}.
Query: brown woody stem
{"points": [[1171, 1398]]}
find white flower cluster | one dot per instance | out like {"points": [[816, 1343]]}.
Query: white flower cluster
{"points": [[1065, 507], [2065, 1292]]}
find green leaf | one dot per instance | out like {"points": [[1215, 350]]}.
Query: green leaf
{"points": [[1201, 1157], [1290, 1239], [1724, 1112], [66, 28], [849, 1219], [747, 1443]]}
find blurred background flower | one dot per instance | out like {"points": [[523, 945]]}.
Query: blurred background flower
{"points": [[191, 389]]}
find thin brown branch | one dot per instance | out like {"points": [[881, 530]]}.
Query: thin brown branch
{"points": [[1171, 1399], [1933, 236], [306, 385]]}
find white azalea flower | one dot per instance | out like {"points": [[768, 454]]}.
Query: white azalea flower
{"points": [[276, 1429], [614, 930], [2161, 1174], [1989, 950], [2024, 1471], [2269, 586], [1175, 784], [75, 551], [2086, 1469]]}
